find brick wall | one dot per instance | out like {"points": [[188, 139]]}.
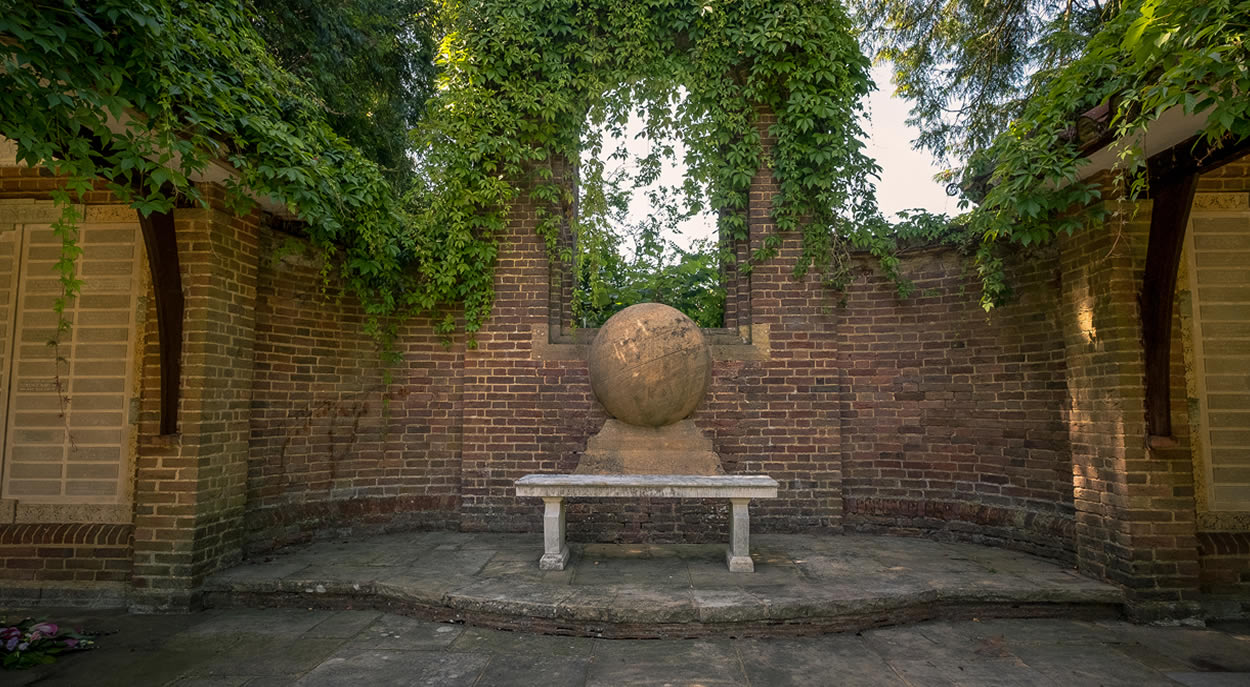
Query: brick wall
{"points": [[1225, 571], [190, 488], [527, 411], [1135, 513], [91, 557], [464, 424], [952, 420], [331, 444]]}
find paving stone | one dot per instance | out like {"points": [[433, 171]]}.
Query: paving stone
{"points": [[643, 604], [257, 577], [1211, 679], [728, 605], [510, 597], [849, 574], [840, 659], [714, 575], [267, 621], [914, 643], [480, 640], [497, 540], [383, 668], [589, 604], [1025, 630], [343, 624], [643, 662], [532, 670], [1000, 672], [272, 681], [1096, 664], [273, 655], [401, 633], [1204, 649], [216, 681], [654, 572], [125, 668]]}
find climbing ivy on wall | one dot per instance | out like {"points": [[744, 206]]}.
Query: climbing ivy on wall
{"points": [[528, 86], [1154, 55], [145, 93]]}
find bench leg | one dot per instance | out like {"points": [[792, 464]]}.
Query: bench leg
{"points": [[555, 551], [738, 555]]}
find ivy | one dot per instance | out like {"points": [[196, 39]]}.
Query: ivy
{"points": [[146, 94], [529, 86], [1151, 57]]}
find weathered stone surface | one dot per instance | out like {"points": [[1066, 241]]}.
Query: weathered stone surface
{"points": [[654, 486], [212, 650], [677, 449], [613, 590], [649, 365]]}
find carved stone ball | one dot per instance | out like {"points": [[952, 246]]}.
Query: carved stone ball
{"points": [[649, 365]]}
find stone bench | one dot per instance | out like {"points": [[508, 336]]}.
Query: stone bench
{"points": [[739, 489]]}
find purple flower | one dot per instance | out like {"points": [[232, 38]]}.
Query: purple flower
{"points": [[70, 643], [46, 629], [23, 646], [8, 646]]}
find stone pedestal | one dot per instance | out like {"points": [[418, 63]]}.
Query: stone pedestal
{"points": [[738, 555], [555, 551], [676, 449]]}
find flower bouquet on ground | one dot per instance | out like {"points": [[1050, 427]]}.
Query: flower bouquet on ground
{"points": [[32, 643]]}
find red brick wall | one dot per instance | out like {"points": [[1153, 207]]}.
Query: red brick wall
{"points": [[190, 488], [331, 444], [1135, 510], [68, 552], [951, 418], [525, 412], [1225, 571], [986, 463]]}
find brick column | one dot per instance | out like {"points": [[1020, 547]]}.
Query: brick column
{"points": [[1135, 515], [790, 403], [190, 488]]}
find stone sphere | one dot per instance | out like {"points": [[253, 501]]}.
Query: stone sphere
{"points": [[649, 365]]}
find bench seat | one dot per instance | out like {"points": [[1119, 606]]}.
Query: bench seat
{"points": [[739, 489]]}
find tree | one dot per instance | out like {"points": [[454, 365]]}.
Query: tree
{"points": [[370, 62], [145, 94], [1014, 128], [970, 66]]}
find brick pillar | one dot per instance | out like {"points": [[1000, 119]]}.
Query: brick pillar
{"points": [[793, 430], [190, 488], [1135, 514], [511, 409]]}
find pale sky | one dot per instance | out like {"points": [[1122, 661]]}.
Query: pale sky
{"points": [[906, 174]]}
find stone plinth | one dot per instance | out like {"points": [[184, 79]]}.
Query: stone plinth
{"points": [[677, 449]]}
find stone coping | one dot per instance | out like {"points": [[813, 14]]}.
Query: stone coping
{"points": [[666, 486], [803, 584]]}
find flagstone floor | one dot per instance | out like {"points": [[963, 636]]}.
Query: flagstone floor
{"points": [[320, 648], [802, 583]]}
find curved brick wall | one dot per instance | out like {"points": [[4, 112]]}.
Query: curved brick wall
{"points": [[868, 414], [953, 421]]}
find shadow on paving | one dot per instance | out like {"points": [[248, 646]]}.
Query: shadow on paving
{"points": [[318, 648]]}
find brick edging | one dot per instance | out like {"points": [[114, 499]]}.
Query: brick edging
{"points": [[104, 534]]}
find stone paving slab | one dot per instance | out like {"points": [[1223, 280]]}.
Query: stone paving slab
{"points": [[821, 583], [318, 648]]}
